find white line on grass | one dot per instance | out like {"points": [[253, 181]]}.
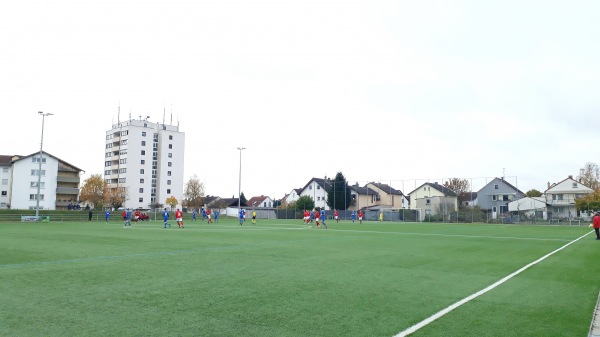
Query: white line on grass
{"points": [[443, 312], [305, 227], [449, 235]]}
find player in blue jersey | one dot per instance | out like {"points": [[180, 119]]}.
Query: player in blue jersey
{"points": [[165, 216], [106, 216], [353, 216], [323, 217], [127, 218]]}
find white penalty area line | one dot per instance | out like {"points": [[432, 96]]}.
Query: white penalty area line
{"points": [[443, 312]]}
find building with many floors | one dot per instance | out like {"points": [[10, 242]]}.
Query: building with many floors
{"points": [[59, 182], [144, 161]]}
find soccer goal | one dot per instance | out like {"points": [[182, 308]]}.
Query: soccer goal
{"points": [[395, 214]]}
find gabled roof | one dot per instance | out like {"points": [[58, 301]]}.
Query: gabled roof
{"points": [[256, 201], [445, 190], [18, 158], [562, 181], [387, 188], [441, 188], [363, 190], [5, 160], [230, 202], [324, 183], [505, 182], [469, 196], [210, 199]]}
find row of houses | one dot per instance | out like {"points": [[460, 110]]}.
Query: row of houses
{"points": [[498, 198], [59, 186]]}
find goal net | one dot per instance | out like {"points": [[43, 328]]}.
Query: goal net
{"points": [[402, 214]]}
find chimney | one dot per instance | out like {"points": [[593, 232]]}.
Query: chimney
{"points": [[548, 184], [570, 176]]}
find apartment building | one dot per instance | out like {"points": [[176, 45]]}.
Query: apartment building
{"points": [[144, 161], [59, 182]]}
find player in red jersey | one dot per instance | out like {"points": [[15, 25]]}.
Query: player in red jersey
{"points": [[336, 215], [179, 218], [208, 211], [136, 215], [317, 218], [360, 216]]}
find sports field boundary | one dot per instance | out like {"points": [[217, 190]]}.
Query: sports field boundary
{"points": [[595, 326], [467, 299]]}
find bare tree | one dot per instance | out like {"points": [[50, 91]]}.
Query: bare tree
{"points": [[194, 193], [460, 186], [589, 175], [115, 196]]}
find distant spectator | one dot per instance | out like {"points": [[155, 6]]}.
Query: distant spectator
{"points": [[596, 224]]}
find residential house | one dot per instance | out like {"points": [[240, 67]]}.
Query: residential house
{"points": [[294, 195], [495, 196], [529, 208], [362, 197], [561, 197], [5, 174], [59, 182], [260, 202], [433, 199], [389, 197], [225, 206], [469, 199], [317, 189]]}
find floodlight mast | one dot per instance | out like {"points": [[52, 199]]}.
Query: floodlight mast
{"points": [[39, 182], [240, 181]]}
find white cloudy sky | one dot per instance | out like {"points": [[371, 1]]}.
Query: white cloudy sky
{"points": [[392, 91]]}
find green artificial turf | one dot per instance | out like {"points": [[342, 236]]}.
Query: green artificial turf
{"points": [[279, 278]]}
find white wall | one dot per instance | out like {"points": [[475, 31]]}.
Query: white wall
{"points": [[21, 183]]}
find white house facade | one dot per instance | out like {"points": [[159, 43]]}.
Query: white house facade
{"points": [[5, 174], [316, 188], [432, 199], [59, 183], [561, 197], [530, 207]]}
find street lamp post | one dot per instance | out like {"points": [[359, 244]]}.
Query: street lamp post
{"points": [[39, 182], [240, 181]]}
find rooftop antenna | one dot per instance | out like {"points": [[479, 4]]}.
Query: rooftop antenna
{"points": [[119, 113], [171, 114], [164, 112]]}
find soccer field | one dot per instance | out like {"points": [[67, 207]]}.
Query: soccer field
{"points": [[280, 278]]}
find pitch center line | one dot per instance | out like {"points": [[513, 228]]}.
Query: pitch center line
{"points": [[443, 312]]}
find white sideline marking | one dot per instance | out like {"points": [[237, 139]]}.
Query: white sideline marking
{"points": [[442, 312]]}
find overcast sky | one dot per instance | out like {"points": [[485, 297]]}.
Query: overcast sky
{"points": [[399, 92]]}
